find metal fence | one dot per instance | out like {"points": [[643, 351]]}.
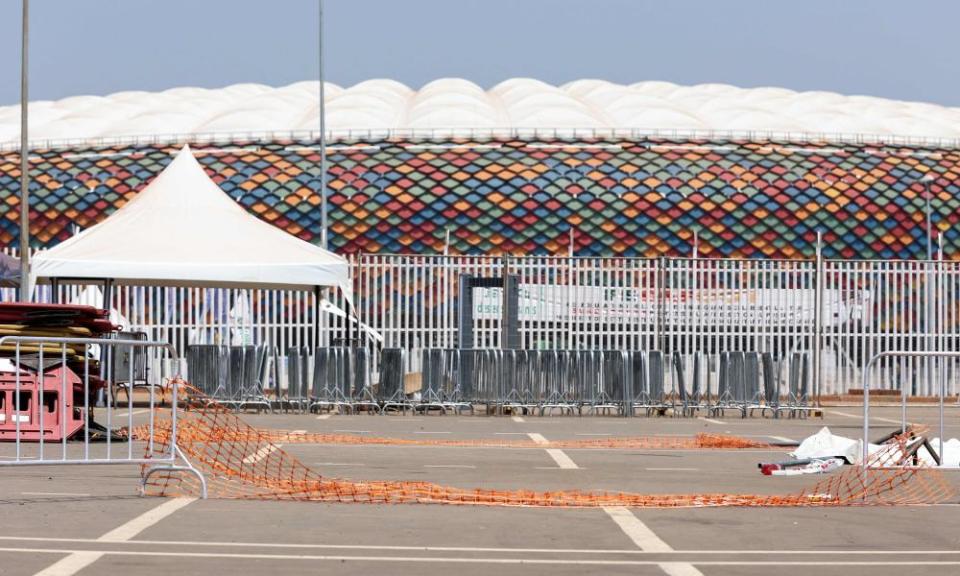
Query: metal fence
{"points": [[838, 312], [47, 396], [589, 381]]}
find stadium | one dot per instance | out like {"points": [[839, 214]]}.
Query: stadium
{"points": [[708, 264], [519, 169]]}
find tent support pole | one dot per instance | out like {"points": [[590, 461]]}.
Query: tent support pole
{"points": [[107, 295], [54, 290], [316, 316]]}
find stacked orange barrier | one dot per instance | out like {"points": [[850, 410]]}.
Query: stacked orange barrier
{"points": [[242, 462]]}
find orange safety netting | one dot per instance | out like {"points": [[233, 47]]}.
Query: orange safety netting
{"points": [[240, 461], [697, 442]]}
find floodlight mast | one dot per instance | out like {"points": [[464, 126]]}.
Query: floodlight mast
{"points": [[323, 141], [25, 288]]}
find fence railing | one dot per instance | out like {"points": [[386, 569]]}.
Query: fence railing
{"points": [[839, 312], [48, 395]]}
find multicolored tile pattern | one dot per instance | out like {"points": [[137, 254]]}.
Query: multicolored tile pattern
{"points": [[621, 198]]}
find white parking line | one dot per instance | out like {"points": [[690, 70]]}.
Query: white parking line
{"points": [[339, 464], [448, 466], [646, 540], [354, 431], [74, 494], [860, 417], [124, 414], [538, 438], [78, 560], [261, 454], [711, 420], [430, 432], [781, 439], [323, 417], [563, 461], [507, 550], [671, 568], [517, 419], [595, 434], [509, 433]]}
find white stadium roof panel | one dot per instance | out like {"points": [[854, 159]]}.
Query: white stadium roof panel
{"points": [[457, 104]]}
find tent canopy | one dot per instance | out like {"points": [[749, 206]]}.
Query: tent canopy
{"points": [[183, 230]]}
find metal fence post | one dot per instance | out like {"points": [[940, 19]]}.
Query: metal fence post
{"points": [[818, 321]]}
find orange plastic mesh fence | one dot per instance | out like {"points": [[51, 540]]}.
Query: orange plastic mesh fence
{"points": [[697, 442], [240, 461]]}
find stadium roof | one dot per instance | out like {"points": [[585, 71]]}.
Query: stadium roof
{"points": [[458, 106]]}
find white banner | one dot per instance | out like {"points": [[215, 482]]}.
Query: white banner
{"points": [[770, 306]]}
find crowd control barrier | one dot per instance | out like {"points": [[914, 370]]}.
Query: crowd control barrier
{"points": [[598, 381], [48, 388]]}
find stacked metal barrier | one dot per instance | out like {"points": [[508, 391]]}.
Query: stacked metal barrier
{"points": [[599, 381], [339, 378], [232, 375]]}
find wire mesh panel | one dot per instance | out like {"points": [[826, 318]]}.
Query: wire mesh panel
{"points": [[891, 305]]}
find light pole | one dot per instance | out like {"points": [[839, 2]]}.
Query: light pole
{"points": [[323, 142], [928, 316], [927, 180], [24, 160]]}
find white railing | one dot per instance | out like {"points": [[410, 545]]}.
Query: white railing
{"points": [[527, 133], [48, 411], [840, 312]]}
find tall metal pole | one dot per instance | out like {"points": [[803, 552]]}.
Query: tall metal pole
{"points": [[323, 143], [926, 186], [24, 160]]}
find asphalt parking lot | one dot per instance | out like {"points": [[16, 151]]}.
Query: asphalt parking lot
{"points": [[89, 520]]}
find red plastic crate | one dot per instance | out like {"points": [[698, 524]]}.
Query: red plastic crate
{"points": [[28, 412]]}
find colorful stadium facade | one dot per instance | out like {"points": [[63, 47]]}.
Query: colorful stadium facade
{"points": [[402, 185]]}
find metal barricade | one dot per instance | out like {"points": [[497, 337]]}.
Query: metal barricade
{"points": [[941, 394], [47, 390], [234, 376], [392, 387], [341, 380]]}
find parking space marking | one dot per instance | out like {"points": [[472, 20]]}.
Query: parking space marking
{"points": [[647, 540], [636, 530], [711, 420], [860, 417], [449, 466], [354, 431], [781, 439], [517, 419], [538, 438], [499, 550], [339, 464], [673, 567], [559, 456], [73, 563], [323, 417], [68, 494], [510, 433], [124, 414], [431, 432], [562, 460], [261, 454], [595, 434], [145, 520], [77, 560]]}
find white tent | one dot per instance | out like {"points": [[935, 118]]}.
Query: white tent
{"points": [[182, 229]]}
